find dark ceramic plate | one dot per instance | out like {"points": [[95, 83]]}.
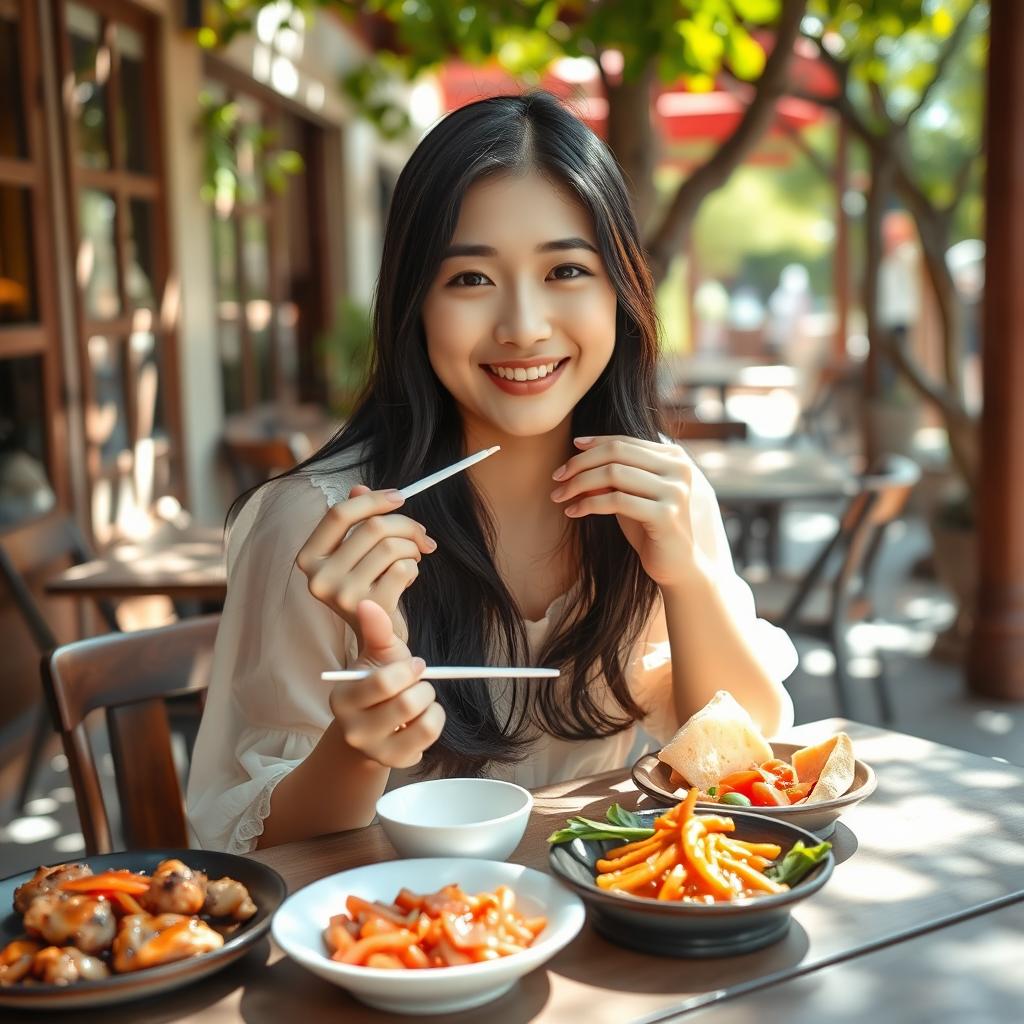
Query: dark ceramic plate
{"points": [[690, 929], [652, 777], [266, 887]]}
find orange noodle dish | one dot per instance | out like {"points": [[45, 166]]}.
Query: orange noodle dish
{"points": [[447, 928], [81, 926]]}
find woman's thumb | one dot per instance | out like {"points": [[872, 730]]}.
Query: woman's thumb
{"points": [[375, 627]]}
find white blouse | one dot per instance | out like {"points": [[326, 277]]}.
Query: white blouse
{"points": [[267, 706]]}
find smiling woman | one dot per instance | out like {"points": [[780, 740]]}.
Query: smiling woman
{"points": [[514, 308]]}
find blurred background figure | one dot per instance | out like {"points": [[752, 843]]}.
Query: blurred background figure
{"points": [[788, 306], [899, 288]]}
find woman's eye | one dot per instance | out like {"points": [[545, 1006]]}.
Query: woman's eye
{"points": [[470, 279], [569, 272]]}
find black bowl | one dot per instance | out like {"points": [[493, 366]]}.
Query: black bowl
{"points": [[673, 928], [266, 887]]}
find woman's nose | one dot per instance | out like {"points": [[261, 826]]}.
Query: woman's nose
{"points": [[524, 318]]}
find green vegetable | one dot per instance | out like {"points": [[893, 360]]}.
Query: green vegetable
{"points": [[713, 792], [797, 863], [622, 825], [737, 799]]}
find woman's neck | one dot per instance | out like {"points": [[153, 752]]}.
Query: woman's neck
{"points": [[519, 476]]}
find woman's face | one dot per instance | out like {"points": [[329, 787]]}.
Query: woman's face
{"points": [[520, 319]]}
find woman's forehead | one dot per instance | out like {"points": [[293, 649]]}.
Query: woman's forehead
{"points": [[526, 208]]}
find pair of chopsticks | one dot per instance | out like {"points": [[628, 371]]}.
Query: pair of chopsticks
{"points": [[450, 671]]}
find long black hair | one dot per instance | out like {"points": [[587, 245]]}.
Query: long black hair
{"points": [[405, 425]]}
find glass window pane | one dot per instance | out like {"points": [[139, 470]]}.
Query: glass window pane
{"points": [[141, 253], [225, 259], [132, 122], [13, 142], [97, 261], [17, 276], [247, 143], [25, 490], [90, 64], [258, 308], [231, 372], [147, 354], [106, 423]]}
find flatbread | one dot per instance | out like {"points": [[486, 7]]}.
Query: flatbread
{"points": [[830, 765]]}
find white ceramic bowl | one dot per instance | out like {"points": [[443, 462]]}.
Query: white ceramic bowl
{"points": [[455, 818], [299, 924]]}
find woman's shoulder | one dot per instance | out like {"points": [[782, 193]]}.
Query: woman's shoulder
{"points": [[289, 507]]}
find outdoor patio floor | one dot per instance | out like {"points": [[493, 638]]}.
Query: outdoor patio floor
{"points": [[928, 695]]}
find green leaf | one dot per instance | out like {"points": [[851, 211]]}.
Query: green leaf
{"points": [[702, 46], [760, 12], [746, 57], [797, 863]]}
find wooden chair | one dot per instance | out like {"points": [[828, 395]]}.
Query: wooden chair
{"points": [[24, 550], [130, 676], [855, 546]]}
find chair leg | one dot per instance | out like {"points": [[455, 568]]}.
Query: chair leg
{"points": [[842, 676], [42, 733], [882, 693]]}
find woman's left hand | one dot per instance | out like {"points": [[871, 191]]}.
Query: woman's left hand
{"points": [[647, 487]]}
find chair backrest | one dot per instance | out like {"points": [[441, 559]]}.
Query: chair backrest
{"points": [[42, 542], [883, 495], [684, 426], [254, 460], [130, 676]]}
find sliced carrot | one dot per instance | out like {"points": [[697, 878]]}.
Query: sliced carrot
{"points": [[392, 942], [108, 881]]}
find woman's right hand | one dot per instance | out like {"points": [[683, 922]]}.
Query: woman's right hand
{"points": [[362, 550], [392, 716]]}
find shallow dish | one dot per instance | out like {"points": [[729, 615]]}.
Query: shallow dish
{"points": [[671, 928], [266, 887], [481, 818], [299, 924], [652, 777]]}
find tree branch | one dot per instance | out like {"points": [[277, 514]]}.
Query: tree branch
{"points": [[667, 239], [824, 167], [941, 63]]}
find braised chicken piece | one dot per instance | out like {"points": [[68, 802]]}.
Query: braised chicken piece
{"points": [[65, 919], [147, 941], [175, 889], [56, 966], [45, 880], [226, 897], [16, 959]]}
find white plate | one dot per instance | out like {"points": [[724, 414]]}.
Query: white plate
{"points": [[299, 923]]}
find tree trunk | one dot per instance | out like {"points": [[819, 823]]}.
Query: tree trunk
{"points": [[669, 237], [631, 138]]}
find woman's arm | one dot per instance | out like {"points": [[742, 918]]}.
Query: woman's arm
{"points": [[668, 513], [333, 789], [711, 651]]}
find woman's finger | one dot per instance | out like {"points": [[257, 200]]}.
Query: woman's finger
{"points": [[372, 726], [664, 460], [388, 589], [338, 520], [404, 749], [617, 477], [652, 515], [371, 532], [385, 681]]}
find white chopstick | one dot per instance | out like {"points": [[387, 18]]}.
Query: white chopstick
{"points": [[450, 672], [443, 474]]}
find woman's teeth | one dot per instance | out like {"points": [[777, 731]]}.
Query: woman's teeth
{"points": [[524, 373]]}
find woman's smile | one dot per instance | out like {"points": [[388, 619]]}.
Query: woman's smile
{"points": [[525, 376]]}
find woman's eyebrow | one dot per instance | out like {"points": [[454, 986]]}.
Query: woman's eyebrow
{"points": [[559, 245]]}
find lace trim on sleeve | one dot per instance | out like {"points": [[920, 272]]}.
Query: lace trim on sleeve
{"points": [[331, 485], [250, 826]]}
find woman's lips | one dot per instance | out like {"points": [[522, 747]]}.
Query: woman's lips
{"points": [[526, 387]]}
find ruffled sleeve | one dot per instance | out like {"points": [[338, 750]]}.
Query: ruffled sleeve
{"points": [[649, 671], [267, 706]]}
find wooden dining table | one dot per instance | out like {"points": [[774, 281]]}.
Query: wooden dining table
{"points": [[681, 376], [182, 563], [931, 863]]}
